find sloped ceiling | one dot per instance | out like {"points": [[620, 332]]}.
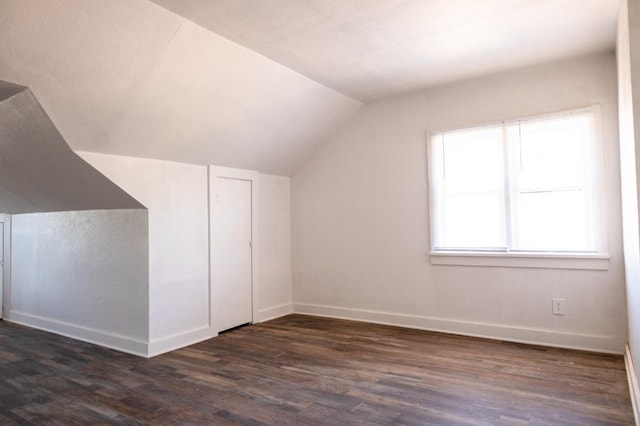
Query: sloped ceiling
{"points": [[258, 84], [129, 77], [38, 171], [371, 49]]}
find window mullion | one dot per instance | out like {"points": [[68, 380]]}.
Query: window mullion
{"points": [[508, 190]]}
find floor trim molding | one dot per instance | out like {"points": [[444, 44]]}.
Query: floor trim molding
{"points": [[634, 390], [275, 312], [98, 337], [179, 340], [592, 343]]}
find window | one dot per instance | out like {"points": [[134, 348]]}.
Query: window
{"points": [[522, 186]]}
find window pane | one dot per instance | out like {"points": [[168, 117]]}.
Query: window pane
{"points": [[552, 153], [473, 160], [471, 196], [551, 221], [473, 221]]}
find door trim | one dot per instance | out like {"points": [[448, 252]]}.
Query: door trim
{"points": [[5, 284], [215, 172]]}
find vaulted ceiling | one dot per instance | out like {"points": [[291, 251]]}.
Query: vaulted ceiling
{"points": [[372, 49], [38, 171], [258, 84]]}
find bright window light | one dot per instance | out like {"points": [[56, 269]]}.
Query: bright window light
{"points": [[526, 185]]}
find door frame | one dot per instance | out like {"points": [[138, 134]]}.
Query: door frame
{"points": [[215, 172], [5, 284]]}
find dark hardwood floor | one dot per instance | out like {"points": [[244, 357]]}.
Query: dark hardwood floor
{"points": [[306, 370]]}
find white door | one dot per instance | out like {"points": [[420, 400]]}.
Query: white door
{"points": [[231, 253]]}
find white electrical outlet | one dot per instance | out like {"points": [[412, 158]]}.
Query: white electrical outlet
{"points": [[558, 306]]}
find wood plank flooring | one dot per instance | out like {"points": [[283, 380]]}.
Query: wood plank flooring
{"points": [[306, 370]]}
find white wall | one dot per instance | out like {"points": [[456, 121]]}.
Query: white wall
{"points": [[360, 219], [176, 196], [273, 247], [82, 274], [628, 55]]}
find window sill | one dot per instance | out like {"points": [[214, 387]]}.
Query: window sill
{"points": [[596, 262]]}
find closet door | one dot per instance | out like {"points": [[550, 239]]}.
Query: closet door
{"points": [[232, 252]]}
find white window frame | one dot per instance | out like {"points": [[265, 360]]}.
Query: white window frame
{"points": [[592, 260]]}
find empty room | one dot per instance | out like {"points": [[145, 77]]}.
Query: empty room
{"points": [[334, 212]]}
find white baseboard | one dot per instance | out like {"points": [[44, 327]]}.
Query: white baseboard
{"points": [[275, 312], [86, 334], [593, 343], [180, 340], [634, 391]]}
